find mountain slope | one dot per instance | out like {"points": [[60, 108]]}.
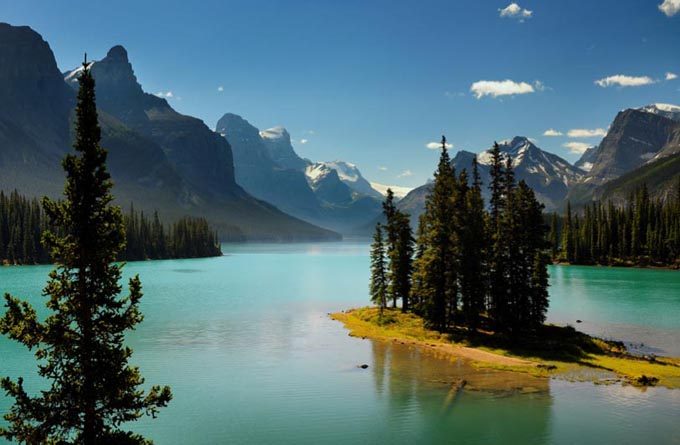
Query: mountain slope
{"points": [[266, 165], [660, 176], [635, 138], [154, 153]]}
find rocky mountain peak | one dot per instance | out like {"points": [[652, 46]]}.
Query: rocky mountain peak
{"points": [[118, 53]]}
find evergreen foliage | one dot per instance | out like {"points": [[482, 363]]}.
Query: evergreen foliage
{"points": [[22, 222], [378, 285], [80, 346], [476, 268], [643, 231]]}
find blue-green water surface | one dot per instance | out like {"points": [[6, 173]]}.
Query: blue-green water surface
{"points": [[245, 342]]}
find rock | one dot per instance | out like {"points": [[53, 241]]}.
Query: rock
{"points": [[646, 380]]}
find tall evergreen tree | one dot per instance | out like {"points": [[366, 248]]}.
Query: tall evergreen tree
{"points": [[473, 263], [80, 346], [437, 280], [378, 285]]}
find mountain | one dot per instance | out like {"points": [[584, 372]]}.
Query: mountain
{"points": [[547, 174], [585, 162], [634, 138], [398, 191], [350, 175], [661, 177], [256, 171], [637, 137], [329, 194], [666, 110], [278, 143], [158, 158]]}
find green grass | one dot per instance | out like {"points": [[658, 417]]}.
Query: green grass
{"points": [[552, 351]]}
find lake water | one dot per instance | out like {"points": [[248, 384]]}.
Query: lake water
{"points": [[245, 342]]}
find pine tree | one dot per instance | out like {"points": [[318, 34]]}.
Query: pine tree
{"points": [[474, 251], [435, 270], [93, 390], [378, 286]]}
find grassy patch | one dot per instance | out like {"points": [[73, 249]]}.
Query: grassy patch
{"points": [[553, 351]]}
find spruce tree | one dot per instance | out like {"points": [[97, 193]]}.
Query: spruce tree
{"points": [[434, 269], [80, 347], [474, 252], [378, 285]]}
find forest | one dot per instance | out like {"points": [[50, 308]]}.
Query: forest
{"points": [[642, 232], [23, 221]]}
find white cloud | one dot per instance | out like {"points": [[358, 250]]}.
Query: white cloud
{"points": [[552, 132], [382, 168], [405, 174], [165, 94], [220, 88], [671, 76], [515, 11], [437, 145], [304, 141], [670, 7], [586, 133], [507, 87], [576, 147], [624, 81]]}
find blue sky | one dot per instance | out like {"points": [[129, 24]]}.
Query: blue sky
{"points": [[373, 82]]}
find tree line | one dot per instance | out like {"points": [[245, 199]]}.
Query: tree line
{"points": [[466, 266], [148, 238], [642, 231], [23, 221]]}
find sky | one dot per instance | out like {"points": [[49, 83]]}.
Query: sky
{"points": [[377, 82]]}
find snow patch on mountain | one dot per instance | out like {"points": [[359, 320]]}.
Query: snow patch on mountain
{"points": [[348, 174], [399, 191], [666, 110]]}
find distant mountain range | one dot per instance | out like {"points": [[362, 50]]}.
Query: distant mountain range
{"points": [[637, 138], [159, 159], [641, 146], [251, 184], [331, 194]]}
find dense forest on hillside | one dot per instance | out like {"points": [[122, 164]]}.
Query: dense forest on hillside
{"points": [[643, 231], [22, 222]]}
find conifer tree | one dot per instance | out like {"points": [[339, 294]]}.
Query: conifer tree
{"points": [[378, 285], [437, 280], [80, 347], [474, 252]]}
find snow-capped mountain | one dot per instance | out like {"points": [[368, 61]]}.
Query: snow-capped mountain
{"points": [[330, 194], [348, 174], [278, 143], [547, 174], [399, 191], [666, 110]]}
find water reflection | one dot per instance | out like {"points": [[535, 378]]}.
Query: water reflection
{"points": [[425, 403]]}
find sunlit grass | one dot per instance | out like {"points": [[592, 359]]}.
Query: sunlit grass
{"points": [[554, 352]]}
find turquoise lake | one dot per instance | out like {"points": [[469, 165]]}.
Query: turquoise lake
{"points": [[245, 342]]}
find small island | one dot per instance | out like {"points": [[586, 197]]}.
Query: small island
{"points": [[473, 283], [552, 352]]}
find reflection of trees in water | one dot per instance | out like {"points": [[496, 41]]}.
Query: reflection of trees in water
{"points": [[422, 404]]}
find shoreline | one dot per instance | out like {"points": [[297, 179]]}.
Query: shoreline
{"points": [[607, 364], [624, 265]]}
